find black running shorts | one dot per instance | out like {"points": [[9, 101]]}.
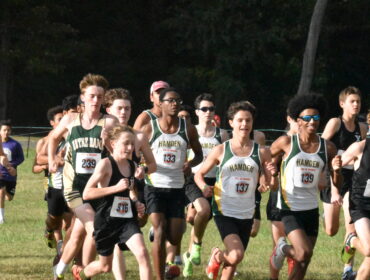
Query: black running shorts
{"points": [[306, 220], [9, 186]]}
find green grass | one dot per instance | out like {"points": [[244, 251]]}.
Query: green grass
{"points": [[24, 255]]}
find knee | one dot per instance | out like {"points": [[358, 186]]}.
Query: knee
{"points": [[331, 230], [190, 219], [235, 257], [142, 254], [303, 256]]}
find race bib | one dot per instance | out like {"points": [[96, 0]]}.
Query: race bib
{"points": [[367, 189], [121, 207], [86, 162], [171, 157]]}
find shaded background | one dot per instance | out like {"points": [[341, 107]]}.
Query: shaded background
{"points": [[234, 49]]}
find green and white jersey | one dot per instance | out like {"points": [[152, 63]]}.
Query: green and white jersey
{"points": [[55, 180], [151, 115], [84, 148], [169, 151], [236, 182], [300, 175], [207, 143]]}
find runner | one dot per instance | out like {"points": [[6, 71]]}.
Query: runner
{"points": [[358, 154], [198, 209], [169, 138], [118, 102], [304, 157], [151, 114], [115, 219], [240, 162], [342, 131], [85, 136], [12, 149], [273, 213]]}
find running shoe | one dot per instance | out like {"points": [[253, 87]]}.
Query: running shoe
{"points": [[49, 239], [76, 269], [195, 254], [278, 256], [188, 265], [349, 275], [59, 247], [291, 264], [171, 271], [151, 234], [347, 251], [213, 266]]}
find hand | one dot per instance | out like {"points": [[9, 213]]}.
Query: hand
{"points": [[12, 171], [208, 191], [140, 208], [53, 166], [59, 160], [140, 172], [336, 163], [269, 166], [123, 185], [263, 188], [336, 199], [186, 169]]}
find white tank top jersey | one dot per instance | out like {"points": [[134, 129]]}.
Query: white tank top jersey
{"points": [[169, 151], [236, 182], [300, 174], [207, 143]]}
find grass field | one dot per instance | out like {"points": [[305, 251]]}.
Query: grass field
{"points": [[24, 255]]}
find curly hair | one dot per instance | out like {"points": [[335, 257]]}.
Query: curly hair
{"points": [[302, 102], [116, 93], [241, 106]]}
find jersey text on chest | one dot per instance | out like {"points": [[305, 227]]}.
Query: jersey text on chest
{"points": [[308, 163], [87, 142], [208, 145], [241, 167], [169, 144]]}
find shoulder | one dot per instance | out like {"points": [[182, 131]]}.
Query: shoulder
{"points": [[142, 120], [110, 120], [363, 129]]}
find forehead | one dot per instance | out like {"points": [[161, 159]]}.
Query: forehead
{"points": [[205, 103], [94, 90], [4, 126], [121, 103], [243, 114], [126, 135], [309, 111], [171, 94], [352, 97]]}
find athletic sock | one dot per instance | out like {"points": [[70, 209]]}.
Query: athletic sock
{"points": [[347, 268], [2, 213], [198, 243], [61, 267]]}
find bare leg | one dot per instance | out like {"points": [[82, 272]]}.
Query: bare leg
{"points": [[118, 266], [277, 230], [331, 218], [158, 246]]}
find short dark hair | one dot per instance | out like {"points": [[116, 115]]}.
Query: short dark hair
{"points": [[241, 106], [70, 102], [302, 102], [203, 97], [53, 111], [116, 93], [6, 123], [163, 92]]}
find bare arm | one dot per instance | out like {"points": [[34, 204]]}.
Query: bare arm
{"points": [[142, 120], [144, 147], [212, 160], [334, 164], [194, 145], [38, 167], [101, 175], [259, 137], [269, 168], [353, 153], [331, 128]]}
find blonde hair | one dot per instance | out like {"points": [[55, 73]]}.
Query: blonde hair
{"points": [[348, 91], [93, 80], [117, 130]]}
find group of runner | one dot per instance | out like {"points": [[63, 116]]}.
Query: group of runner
{"points": [[112, 178]]}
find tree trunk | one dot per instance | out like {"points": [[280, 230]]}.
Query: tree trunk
{"points": [[4, 65], [309, 56]]}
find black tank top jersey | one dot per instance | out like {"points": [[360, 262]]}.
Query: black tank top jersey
{"points": [[135, 157], [360, 179], [344, 138], [105, 203]]}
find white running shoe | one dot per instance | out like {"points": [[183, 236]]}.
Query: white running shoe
{"points": [[278, 255]]}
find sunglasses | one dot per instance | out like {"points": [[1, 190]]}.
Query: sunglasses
{"points": [[205, 109], [309, 118], [173, 100]]}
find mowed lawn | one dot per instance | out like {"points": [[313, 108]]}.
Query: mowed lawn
{"points": [[24, 255]]}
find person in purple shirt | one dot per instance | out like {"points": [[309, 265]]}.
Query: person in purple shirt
{"points": [[8, 178]]}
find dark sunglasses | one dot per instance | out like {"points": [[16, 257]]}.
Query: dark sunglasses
{"points": [[309, 118], [205, 109]]}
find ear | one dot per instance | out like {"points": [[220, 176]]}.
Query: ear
{"points": [[341, 103], [108, 110], [231, 123], [197, 112], [82, 97], [151, 97]]}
